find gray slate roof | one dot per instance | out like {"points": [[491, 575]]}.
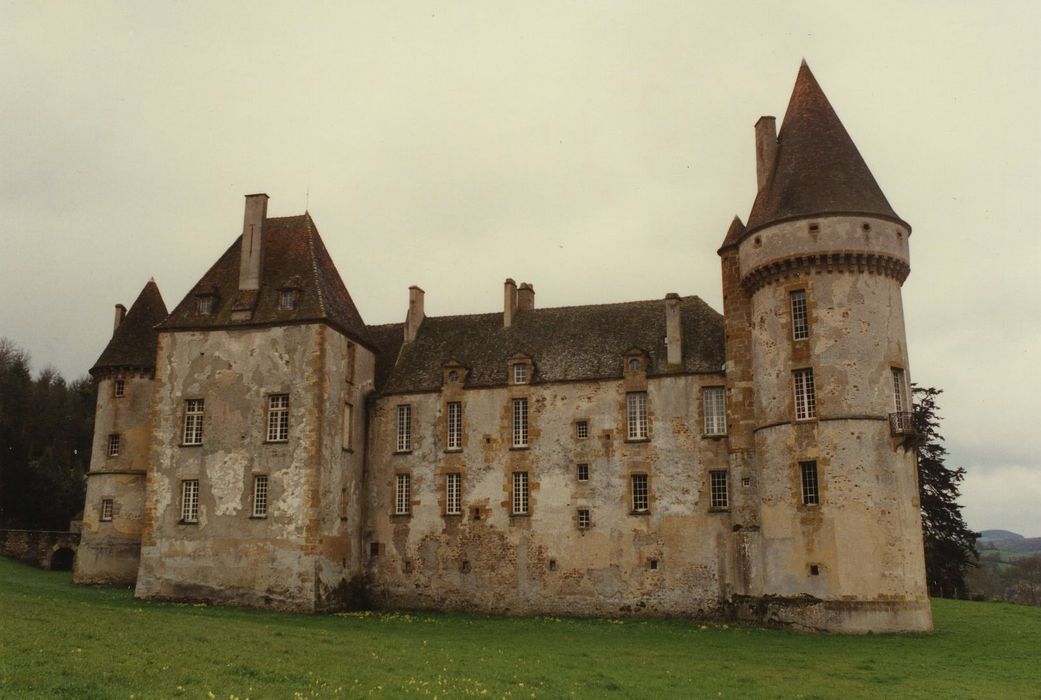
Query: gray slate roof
{"points": [[134, 342]]}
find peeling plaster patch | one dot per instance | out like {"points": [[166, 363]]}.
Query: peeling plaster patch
{"points": [[225, 473]]}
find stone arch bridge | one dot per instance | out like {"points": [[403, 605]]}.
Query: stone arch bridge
{"points": [[46, 549]]}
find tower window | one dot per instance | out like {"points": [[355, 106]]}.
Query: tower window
{"points": [[636, 415], [106, 510], [286, 299], [810, 486], [113, 445], [520, 422], [800, 319], [899, 391], [582, 429], [520, 493], [278, 418], [402, 494], [119, 388], [403, 442], [718, 483], [453, 494], [454, 439], [805, 397], [640, 493], [585, 520], [193, 412], [714, 404]]}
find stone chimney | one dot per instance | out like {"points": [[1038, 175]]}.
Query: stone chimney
{"points": [[765, 149], [673, 330], [252, 241], [415, 314], [121, 313], [525, 297], [509, 305]]}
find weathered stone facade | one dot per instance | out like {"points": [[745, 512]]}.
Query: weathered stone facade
{"points": [[646, 458]]}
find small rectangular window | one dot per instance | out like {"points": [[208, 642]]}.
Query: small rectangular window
{"points": [[260, 495], [636, 415], [719, 496], [343, 503], [349, 360], [520, 422], [402, 494], [582, 429], [278, 418], [119, 388], [190, 501], [810, 488], [204, 305], [455, 426], [805, 396], [113, 445], [193, 412], [583, 472], [106, 510], [520, 374], [286, 299], [800, 319], [585, 521], [641, 498], [348, 426], [520, 493], [404, 426], [715, 409], [899, 391], [453, 494]]}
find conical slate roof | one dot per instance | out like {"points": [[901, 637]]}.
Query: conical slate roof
{"points": [[135, 341], [818, 169], [734, 234]]}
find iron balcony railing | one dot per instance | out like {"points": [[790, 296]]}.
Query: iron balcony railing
{"points": [[901, 423]]}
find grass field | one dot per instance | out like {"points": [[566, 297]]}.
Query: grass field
{"points": [[62, 641]]}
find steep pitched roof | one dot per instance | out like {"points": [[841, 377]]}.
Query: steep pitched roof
{"points": [[567, 343], [734, 234], [818, 168], [135, 341], [294, 256]]}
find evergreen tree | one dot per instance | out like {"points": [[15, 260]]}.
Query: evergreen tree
{"points": [[950, 546]]}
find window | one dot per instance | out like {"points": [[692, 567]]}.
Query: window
{"points": [[113, 445], [260, 495], [349, 360], [453, 494], [453, 376], [800, 320], [718, 482], [636, 415], [204, 305], [715, 407], [404, 423], [584, 519], [119, 388], [520, 422], [641, 502], [805, 399], [278, 418], [455, 426], [402, 494], [520, 493], [286, 299], [583, 472], [582, 429], [190, 501], [106, 510], [899, 391], [348, 426], [520, 374], [193, 410], [343, 504], [810, 489], [634, 364]]}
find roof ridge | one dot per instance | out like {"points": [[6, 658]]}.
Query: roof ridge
{"points": [[563, 308], [314, 263]]}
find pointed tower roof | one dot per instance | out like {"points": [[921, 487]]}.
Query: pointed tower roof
{"points": [[818, 168], [135, 340], [294, 258], [734, 234]]}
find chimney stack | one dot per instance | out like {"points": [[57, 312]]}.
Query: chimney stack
{"points": [[525, 297], [121, 313], [415, 314], [252, 241], [765, 149], [673, 330], [509, 307]]}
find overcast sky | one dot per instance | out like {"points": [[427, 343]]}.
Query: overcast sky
{"points": [[597, 150]]}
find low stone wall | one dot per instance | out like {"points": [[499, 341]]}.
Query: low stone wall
{"points": [[43, 548]]}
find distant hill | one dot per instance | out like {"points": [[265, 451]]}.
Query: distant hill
{"points": [[986, 535], [1007, 541]]}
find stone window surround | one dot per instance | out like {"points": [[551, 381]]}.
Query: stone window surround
{"points": [[713, 411]]}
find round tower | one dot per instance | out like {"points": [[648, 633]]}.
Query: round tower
{"points": [[820, 267]]}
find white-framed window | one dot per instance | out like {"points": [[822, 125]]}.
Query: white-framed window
{"points": [[585, 520], [454, 439], [715, 407], [113, 444], [640, 493], [190, 501], [805, 395], [260, 495], [520, 422], [204, 305], [718, 495], [453, 493], [582, 429], [193, 412], [402, 494], [810, 485], [633, 363], [800, 319], [520, 493], [583, 472], [278, 418], [286, 299], [403, 443], [636, 415], [900, 391], [348, 426], [119, 388], [520, 373], [106, 510]]}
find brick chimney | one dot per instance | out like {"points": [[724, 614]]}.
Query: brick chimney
{"points": [[121, 313], [509, 305], [765, 149], [525, 297], [673, 330], [252, 241], [415, 314]]}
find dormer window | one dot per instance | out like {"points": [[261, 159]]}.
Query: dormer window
{"points": [[453, 376], [287, 299], [634, 364], [204, 304], [520, 374]]}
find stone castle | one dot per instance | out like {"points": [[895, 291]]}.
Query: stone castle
{"points": [[261, 445]]}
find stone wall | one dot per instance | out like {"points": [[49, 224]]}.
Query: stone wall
{"points": [[43, 548]]}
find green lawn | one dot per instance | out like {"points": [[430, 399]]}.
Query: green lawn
{"points": [[62, 641]]}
